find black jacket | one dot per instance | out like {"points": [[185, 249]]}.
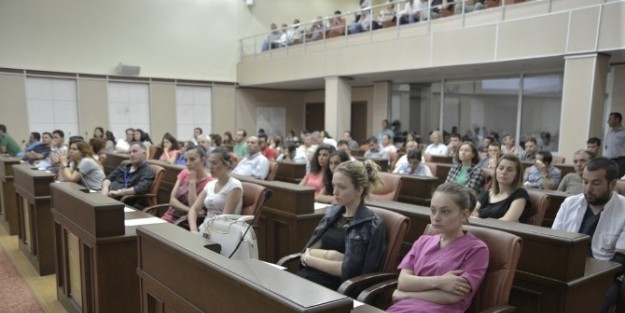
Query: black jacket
{"points": [[365, 240]]}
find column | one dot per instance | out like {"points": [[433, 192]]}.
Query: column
{"points": [[380, 107], [338, 105], [582, 101]]}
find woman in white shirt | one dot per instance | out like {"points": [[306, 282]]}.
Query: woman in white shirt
{"points": [[223, 195], [436, 147]]}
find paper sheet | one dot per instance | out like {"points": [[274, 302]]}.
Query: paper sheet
{"points": [[143, 221]]}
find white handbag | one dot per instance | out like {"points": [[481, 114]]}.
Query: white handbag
{"points": [[233, 234]]}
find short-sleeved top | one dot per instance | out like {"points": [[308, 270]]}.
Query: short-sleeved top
{"points": [[421, 170], [182, 195], [173, 154], [92, 174], [533, 176], [216, 201], [571, 184], [427, 258], [314, 180], [499, 209], [436, 149]]}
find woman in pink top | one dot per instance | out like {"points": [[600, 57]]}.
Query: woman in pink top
{"points": [[441, 273], [318, 164], [170, 149], [190, 183]]}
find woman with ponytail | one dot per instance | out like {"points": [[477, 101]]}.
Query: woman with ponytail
{"points": [[350, 239], [441, 273]]}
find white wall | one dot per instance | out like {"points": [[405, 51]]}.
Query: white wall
{"points": [[184, 39]]}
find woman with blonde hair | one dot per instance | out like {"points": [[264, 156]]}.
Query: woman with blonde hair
{"points": [[350, 239], [84, 169]]}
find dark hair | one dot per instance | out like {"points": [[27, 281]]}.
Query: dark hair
{"points": [[110, 136], [97, 144], [261, 135], [414, 154], [489, 138], [227, 137], [476, 156], [200, 129], [518, 180], [129, 128], [100, 129], [342, 142], [455, 135], [327, 174], [243, 131], [59, 132], [594, 140], [73, 139], [36, 135], [495, 144], [83, 147], [216, 139], [315, 167], [601, 163], [617, 115], [224, 155], [174, 142], [3, 128], [547, 157], [531, 139], [372, 139]]}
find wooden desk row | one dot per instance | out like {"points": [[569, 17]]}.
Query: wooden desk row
{"points": [[8, 206], [172, 267]]}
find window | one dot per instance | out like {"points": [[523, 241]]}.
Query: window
{"points": [[129, 106], [193, 109], [52, 104], [542, 104]]}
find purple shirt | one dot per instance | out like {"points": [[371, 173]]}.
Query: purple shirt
{"points": [[426, 258]]}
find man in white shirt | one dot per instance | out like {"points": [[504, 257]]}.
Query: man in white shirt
{"points": [[255, 164], [123, 145], [598, 212], [410, 146]]}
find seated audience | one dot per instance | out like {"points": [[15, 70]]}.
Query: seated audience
{"points": [[57, 147], [123, 145], [494, 153], [598, 212], [97, 146], [240, 143], [374, 149], [227, 139], [412, 11], [98, 133], [485, 144], [387, 15], [222, 195], [7, 144], [542, 175], [353, 144], [33, 141], [442, 273], [454, 143], [39, 152], [343, 145], [572, 182], [327, 139], [134, 177], [255, 164], [317, 29], [182, 158], [466, 6], [531, 146], [509, 146], [110, 141], [506, 200], [414, 166], [276, 144], [350, 239], [438, 6], [318, 166], [403, 160], [143, 137], [593, 145], [387, 144], [190, 182], [265, 149], [291, 153], [169, 144], [272, 41], [546, 143], [436, 147], [467, 171], [84, 169], [337, 25], [327, 191]]}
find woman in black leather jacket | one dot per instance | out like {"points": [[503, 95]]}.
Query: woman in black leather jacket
{"points": [[350, 239]]}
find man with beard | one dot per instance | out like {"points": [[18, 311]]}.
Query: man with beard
{"points": [[598, 212]]}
